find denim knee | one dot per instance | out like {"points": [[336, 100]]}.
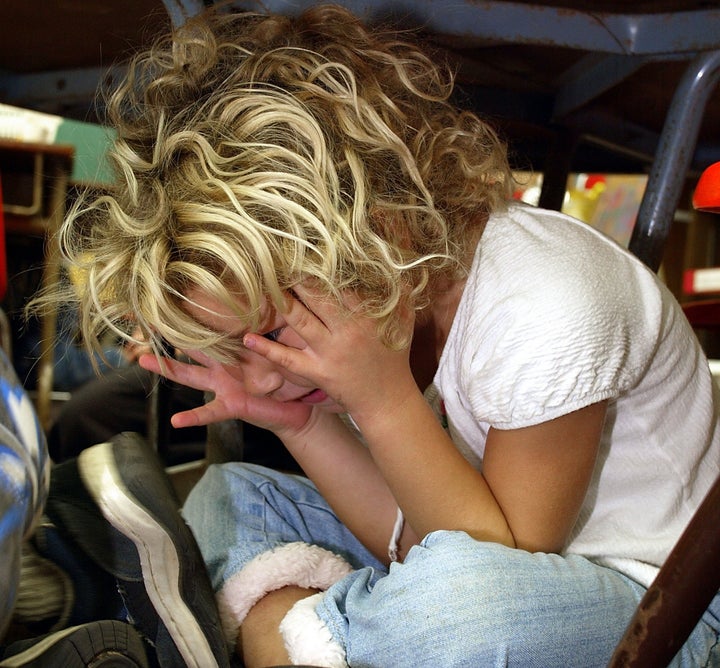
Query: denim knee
{"points": [[260, 530], [460, 602], [238, 511]]}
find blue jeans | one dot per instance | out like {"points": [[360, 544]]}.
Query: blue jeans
{"points": [[454, 601]]}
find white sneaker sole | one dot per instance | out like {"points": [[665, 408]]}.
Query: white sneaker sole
{"points": [[158, 556]]}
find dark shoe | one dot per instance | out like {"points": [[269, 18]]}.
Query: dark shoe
{"points": [[45, 595], [162, 575], [94, 590], [106, 644]]}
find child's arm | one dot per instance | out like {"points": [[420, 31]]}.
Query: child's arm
{"points": [[532, 486], [529, 493], [534, 479], [329, 453], [540, 475], [528, 496]]}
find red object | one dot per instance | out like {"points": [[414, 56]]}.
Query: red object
{"points": [[701, 281], [704, 314], [594, 179], [707, 191]]}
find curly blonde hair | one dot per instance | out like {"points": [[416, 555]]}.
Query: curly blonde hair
{"points": [[256, 151]]}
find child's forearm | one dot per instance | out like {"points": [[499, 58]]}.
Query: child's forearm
{"points": [[433, 483], [346, 475], [410, 463]]}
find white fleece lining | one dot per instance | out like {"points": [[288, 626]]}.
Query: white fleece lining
{"points": [[299, 564], [308, 640]]}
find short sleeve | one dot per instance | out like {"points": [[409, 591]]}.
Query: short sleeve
{"points": [[550, 326]]}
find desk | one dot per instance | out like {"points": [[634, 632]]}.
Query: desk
{"points": [[34, 204]]}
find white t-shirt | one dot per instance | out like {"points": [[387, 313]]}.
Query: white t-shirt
{"points": [[554, 317]]}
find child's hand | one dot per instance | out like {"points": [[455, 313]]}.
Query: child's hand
{"points": [[231, 401], [344, 355]]}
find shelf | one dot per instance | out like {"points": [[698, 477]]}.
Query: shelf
{"points": [[37, 199]]}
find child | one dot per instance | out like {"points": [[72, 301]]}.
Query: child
{"points": [[504, 419]]}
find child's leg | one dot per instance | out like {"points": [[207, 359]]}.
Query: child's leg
{"points": [[458, 602], [260, 642], [261, 531], [454, 602]]}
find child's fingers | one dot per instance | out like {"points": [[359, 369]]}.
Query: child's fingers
{"points": [[277, 353], [304, 311], [186, 419], [199, 416], [312, 298], [192, 375], [313, 314], [149, 362], [199, 357], [325, 308]]}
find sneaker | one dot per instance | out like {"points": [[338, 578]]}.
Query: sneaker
{"points": [[162, 575], [45, 594], [100, 644], [51, 558]]}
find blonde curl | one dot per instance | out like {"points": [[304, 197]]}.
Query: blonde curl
{"points": [[255, 151]]}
